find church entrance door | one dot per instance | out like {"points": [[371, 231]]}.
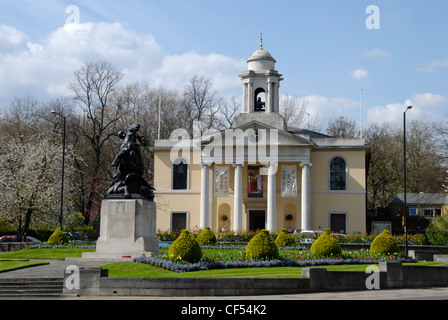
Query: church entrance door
{"points": [[257, 220]]}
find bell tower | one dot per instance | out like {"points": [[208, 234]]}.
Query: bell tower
{"points": [[261, 83]]}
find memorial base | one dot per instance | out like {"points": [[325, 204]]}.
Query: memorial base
{"points": [[127, 229]]}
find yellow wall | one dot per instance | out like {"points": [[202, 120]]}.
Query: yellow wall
{"points": [[324, 201]]}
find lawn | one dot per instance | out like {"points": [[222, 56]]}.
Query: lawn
{"points": [[57, 254], [8, 265], [132, 269], [20, 259]]}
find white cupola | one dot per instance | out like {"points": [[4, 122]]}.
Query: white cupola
{"points": [[261, 83]]}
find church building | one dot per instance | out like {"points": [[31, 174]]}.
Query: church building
{"points": [[260, 174]]}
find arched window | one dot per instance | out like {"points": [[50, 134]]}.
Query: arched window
{"points": [[259, 100], [338, 174], [180, 175]]}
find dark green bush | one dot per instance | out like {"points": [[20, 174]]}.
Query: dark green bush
{"points": [[326, 245], [58, 237], [384, 243], [437, 231], [284, 239], [262, 247], [206, 237], [185, 248]]}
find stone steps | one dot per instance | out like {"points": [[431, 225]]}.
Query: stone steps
{"points": [[43, 288]]}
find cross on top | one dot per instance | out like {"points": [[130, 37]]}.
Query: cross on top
{"points": [[261, 39]]}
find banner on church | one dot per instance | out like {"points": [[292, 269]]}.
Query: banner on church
{"points": [[221, 181], [289, 181]]}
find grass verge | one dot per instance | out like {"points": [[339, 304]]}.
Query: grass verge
{"points": [[9, 265]]}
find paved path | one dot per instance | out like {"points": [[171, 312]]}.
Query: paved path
{"points": [[55, 269]]}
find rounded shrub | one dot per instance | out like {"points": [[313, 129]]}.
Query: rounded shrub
{"points": [[384, 243], [326, 245], [262, 247], [185, 247], [206, 237], [58, 237], [284, 239]]}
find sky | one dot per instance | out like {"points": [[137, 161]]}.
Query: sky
{"points": [[328, 51]]}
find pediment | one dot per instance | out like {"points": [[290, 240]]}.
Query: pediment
{"points": [[253, 133]]}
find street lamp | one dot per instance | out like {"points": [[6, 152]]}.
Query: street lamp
{"points": [[405, 213], [63, 165]]}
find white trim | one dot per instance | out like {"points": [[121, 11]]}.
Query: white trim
{"points": [[177, 191], [339, 191]]}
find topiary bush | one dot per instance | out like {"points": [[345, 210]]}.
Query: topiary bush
{"points": [[284, 239], [384, 243], [58, 237], [206, 237], [262, 247], [185, 247], [326, 245]]}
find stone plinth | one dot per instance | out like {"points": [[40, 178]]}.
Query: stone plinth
{"points": [[128, 229]]}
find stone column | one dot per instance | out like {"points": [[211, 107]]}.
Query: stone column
{"points": [[306, 195], [251, 97], [205, 196], [271, 223], [245, 98], [238, 198], [268, 106]]}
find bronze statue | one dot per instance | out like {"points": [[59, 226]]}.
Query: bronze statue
{"points": [[128, 181]]}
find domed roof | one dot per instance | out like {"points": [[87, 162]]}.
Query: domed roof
{"points": [[261, 55]]}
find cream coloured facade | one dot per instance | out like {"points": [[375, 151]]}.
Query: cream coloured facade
{"points": [[260, 173]]}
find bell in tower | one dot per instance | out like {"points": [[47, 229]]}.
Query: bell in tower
{"points": [[261, 83]]}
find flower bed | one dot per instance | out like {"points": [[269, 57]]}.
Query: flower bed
{"points": [[63, 246], [293, 259]]}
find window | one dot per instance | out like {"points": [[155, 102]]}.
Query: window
{"points": [[338, 222], [431, 212], [338, 174], [180, 175], [178, 221]]}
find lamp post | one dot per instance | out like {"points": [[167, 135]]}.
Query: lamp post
{"points": [[63, 166], [405, 213]]}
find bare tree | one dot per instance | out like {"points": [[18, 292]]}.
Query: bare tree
{"points": [[342, 128], [293, 110], [202, 104], [93, 86], [228, 111]]}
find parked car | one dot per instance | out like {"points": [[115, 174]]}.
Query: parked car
{"points": [[308, 236], [14, 239]]}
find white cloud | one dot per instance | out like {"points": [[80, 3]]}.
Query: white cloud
{"points": [[433, 66], [426, 107], [376, 53], [177, 70], [359, 74], [11, 39], [329, 108], [429, 100], [45, 69]]}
